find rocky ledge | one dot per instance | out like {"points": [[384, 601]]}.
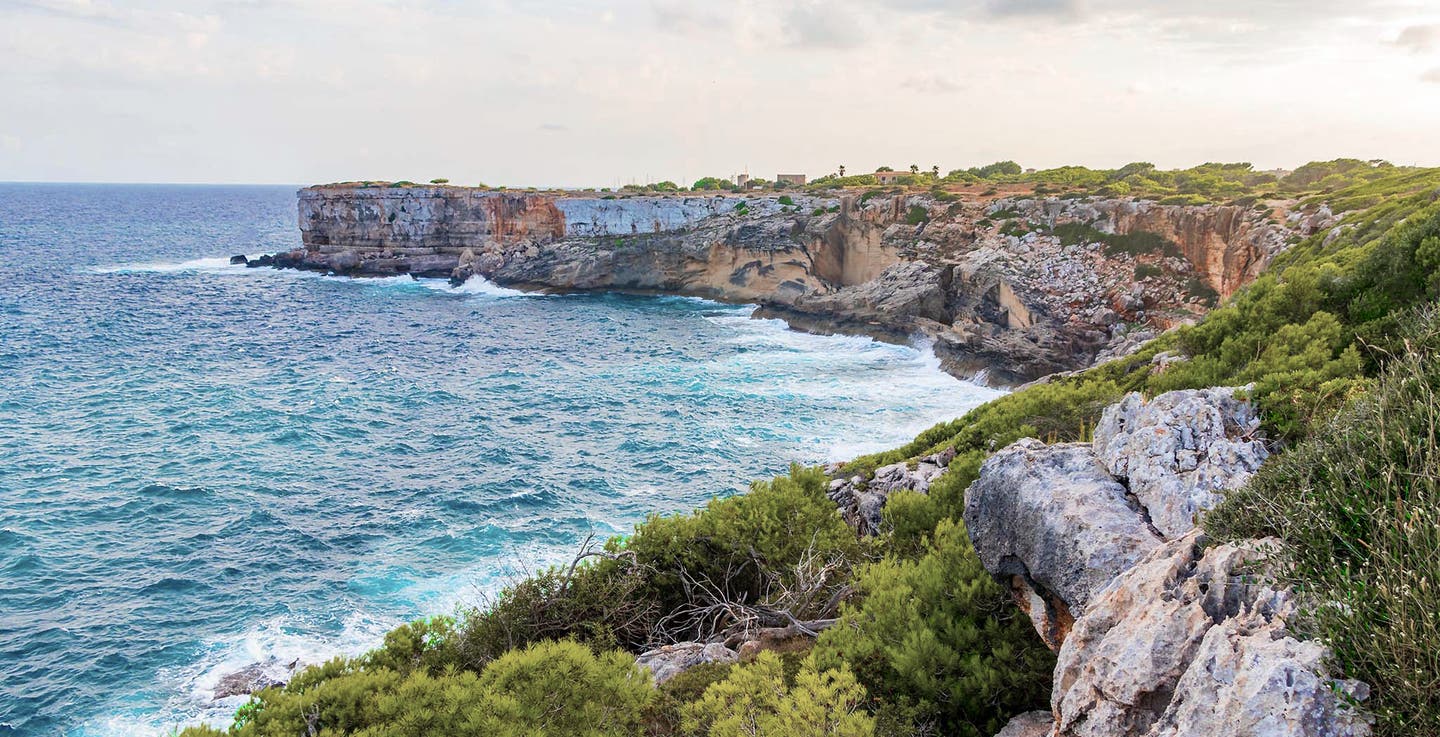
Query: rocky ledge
{"points": [[1158, 632], [1012, 288]]}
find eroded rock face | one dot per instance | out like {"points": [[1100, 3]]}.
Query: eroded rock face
{"points": [[672, 660], [1191, 643], [1181, 451], [1158, 635], [1053, 524], [1012, 304]]}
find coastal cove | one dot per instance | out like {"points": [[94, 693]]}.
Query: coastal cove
{"points": [[303, 462]]}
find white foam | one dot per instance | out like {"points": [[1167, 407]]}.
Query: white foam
{"points": [[478, 285], [212, 265]]}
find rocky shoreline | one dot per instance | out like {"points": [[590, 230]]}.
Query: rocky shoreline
{"points": [[1008, 289]]}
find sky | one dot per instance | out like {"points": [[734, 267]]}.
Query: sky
{"points": [[576, 93]]}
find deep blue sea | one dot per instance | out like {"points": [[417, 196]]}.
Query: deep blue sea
{"points": [[202, 466]]}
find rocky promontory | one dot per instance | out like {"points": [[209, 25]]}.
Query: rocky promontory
{"points": [[1012, 287]]}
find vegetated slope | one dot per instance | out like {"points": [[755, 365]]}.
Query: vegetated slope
{"points": [[925, 641]]}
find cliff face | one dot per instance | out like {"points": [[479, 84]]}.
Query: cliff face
{"points": [[991, 282]]}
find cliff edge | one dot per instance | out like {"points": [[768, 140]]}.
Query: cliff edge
{"points": [[1011, 288]]}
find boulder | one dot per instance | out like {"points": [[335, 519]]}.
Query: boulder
{"points": [[1180, 451], [1029, 724], [238, 260], [1052, 523], [672, 660], [1192, 641]]}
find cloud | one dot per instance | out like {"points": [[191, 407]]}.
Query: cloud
{"points": [[1064, 9], [822, 25], [685, 20], [1432, 76], [553, 127], [932, 84], [1418, 39], [989, 9]]}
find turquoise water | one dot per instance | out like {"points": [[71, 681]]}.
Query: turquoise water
{"points": [[202, 466]]}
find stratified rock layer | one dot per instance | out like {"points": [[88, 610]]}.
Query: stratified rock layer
{"points": [[995, 290]]}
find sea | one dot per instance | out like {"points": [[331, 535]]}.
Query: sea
{"points": [[204, 466]]}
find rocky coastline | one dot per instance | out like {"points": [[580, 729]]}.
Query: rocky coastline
{"points": [[1007, 289]]}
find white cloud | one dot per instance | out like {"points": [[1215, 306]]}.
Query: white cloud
{"points": [[1419, 39], [300, 90]]}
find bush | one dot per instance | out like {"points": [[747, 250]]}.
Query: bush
{"points": [[1357, 508], [786, 200], [554, 688], [939, 638], [917, 215], [605, 604], [756, 701], [1140, 243], [747, 547], [1146, 271]]}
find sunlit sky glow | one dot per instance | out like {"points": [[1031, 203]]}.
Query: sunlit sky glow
{"points": [[568, 92]]}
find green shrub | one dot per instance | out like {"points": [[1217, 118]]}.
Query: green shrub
{"points": [[549, 689], [606, 603], [1140, 243], [786, 200], [1185, 199], [941, 639], [1197, 287], [756, 701], [1357, 509], [666, 712], [744, 546], [425, 645], [562, 688], [917, 214], [1146, 271]]}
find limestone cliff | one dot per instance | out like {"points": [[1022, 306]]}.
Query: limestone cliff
{"points": [[998, 284]]}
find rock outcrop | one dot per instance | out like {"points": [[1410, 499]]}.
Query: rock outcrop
{"points": [[992, 283], [861, 501], [669, 661], [1192, 641], [1158, 633], [1180, 452], [1052, 524]]}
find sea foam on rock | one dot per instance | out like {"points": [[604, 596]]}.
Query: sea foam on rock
{"points": [[1158, 634]]}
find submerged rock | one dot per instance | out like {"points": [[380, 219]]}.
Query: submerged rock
{"points": [[254, 677]]}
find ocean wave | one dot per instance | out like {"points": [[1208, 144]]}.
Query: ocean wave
{"points": [[220, 264]]}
